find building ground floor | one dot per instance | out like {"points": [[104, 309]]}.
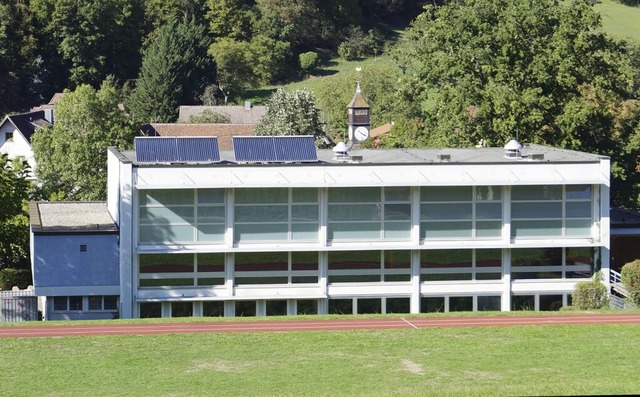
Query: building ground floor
{"points": [[187, 284]]}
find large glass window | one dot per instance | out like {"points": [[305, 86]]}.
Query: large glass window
{"points": [[369, 213], [460, 264], [276, 268], [539, 211], [461, 211], [181, 215], [545, 263], [369, 266], [276, 214], [181, 270]]}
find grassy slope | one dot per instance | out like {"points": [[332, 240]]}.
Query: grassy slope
{"points": [[544, 360], [619, 20]]}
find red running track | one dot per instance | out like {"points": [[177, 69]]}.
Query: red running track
{"points": [[78, 329]]}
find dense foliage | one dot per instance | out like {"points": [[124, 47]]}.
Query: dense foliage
{"points": [[589, 295], [50, 45], [175, 71], [541, 71], [72, 156], [291, 113], [14, 221]]}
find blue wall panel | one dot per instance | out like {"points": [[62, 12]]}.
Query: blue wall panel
{"points": [[59, 261]]}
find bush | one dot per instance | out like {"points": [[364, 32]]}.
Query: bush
{"points": [[12, 277], [631, 279], [308, 61], [588, 295]]}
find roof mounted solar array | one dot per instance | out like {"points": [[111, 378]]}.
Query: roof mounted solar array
{"points": [[275, 149], [156, 150]]}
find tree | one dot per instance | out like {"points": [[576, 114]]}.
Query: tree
{"points": [[92, 38], [541, 71], [308, 61], [233, 64], [229, 18], [71, 157], [14, 221], [175, 71], [291, 113], [20, 88]]}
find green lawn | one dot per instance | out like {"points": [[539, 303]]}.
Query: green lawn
{"points": [[620, 20], [534, 360]]}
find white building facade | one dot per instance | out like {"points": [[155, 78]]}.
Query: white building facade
{"points": [[378, 231]]}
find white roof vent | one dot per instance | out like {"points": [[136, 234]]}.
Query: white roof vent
{"points": [[341, 152], [512, 149]]}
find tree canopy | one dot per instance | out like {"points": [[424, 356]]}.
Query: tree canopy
{"points": [[541, 71], [14, 222], [291, 113], [71, 157], [175, 71]]}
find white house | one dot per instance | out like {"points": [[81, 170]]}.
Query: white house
{"points": [[16, 131]]}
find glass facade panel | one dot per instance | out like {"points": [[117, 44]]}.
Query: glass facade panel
{"points": [[369, 306], [262, 213], [578, 192], [261, 232], [536, 228], [490, 193], [540, 192], [166, 197], [432, 305], [449, 193], [210, 196], [578, 210], [261, 196], [490, 211], [398, 305], [397, 230], [340, 306], [181, 309], [165, 263], [523, 302], [150, 310], [304, 195], [461, 304], [354, 231], [307, 306], [489, 303], [213, 309], [276, 308], [397, 194], [430, 212], [488, 229], [536, 210], [445, 229], [354, 195]]}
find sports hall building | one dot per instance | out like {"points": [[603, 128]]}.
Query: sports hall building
{"points": [[276, 227]]}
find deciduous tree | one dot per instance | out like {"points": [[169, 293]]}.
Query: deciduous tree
{"points": [[539, 70], [291, 113], [72, 156], [14, 221]]}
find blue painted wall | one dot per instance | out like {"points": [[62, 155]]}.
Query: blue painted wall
{"points": [[58, 260]]}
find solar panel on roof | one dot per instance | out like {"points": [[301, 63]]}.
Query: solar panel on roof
{"points": [[269, 149], [177, 150]]}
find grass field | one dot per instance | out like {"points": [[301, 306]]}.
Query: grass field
{"points": [[620, 20], [542, 360]]}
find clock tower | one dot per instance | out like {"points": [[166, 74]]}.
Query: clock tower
{"points": [[358, 118]]}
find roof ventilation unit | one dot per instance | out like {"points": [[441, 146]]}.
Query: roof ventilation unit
{"points": [[443, 157], [341, 152], [512, 149]]}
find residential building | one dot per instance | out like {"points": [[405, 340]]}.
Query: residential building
{"points": [[16, 131]]}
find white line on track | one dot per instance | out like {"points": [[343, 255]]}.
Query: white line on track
{"points": [[408, 322]]}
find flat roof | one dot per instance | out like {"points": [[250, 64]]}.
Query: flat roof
{"points": [[70, 217], [532, 153]]}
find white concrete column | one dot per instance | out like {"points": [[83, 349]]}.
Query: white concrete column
{"points": [[128, 259]]}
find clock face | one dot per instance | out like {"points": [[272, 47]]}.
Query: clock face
{"points": [[361, 134]]}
